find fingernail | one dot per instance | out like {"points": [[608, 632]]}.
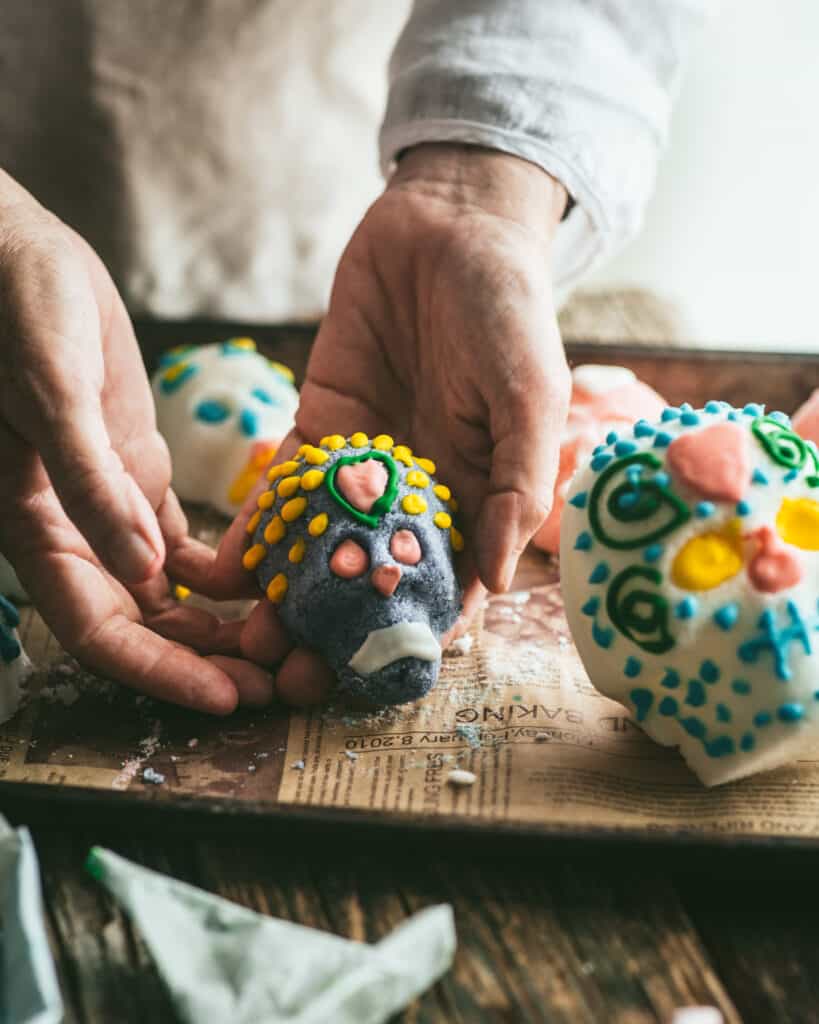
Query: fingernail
{"points": [[135, 560]]}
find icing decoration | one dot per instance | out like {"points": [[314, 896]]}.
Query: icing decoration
{"points": [[383, 442], [704, 509], [253, 556], [714, 462], [402, 640], [296, 553], [349, 560], [312, 479], [417, 478], [777, 640], [362, 483], [275, 530], [687, 608], [385, 579], [223, 411], [442, 491], [292, 509], [426, 464], [633, 667], [318, 524], [600, 573], [743, 508], [798, 523], [726, 617], [181, 593], [359, 440], [266, 499], [283, 469], [288, 486], [583, 541], [381, 506], [456, 540], [404, 547], [775, 566], [414, 504], [253, 522], [443, 520], [638, 613], [403, 454], [15, 666], [277, 589], [315, 456], [707, 561]]}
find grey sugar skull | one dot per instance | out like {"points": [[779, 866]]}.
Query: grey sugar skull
{"points": [[354, 543]]}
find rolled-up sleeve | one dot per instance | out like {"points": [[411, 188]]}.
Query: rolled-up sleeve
{"points": [[582, 88]]}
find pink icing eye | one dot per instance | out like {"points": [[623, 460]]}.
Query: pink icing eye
{"points": [[349, 560], [404, 547]]}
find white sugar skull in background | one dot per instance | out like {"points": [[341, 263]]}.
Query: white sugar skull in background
{"points": [[690, 574], [223, 410], [15, 666], [604, 398]]}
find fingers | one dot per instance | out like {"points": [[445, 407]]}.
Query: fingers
{"points": [[527, 420], [254, 685], [264, 639], [303, 678]]}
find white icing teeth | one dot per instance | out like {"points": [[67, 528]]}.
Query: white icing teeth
{"points": [[402, 640], [710, 640]]}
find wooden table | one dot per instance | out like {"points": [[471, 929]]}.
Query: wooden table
{"points": [[557, 931]]}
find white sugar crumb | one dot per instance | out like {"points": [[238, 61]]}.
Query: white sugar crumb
{"points": [[461, 646], [461, 777], [351, 754], [541, 737], [298, 766], [152, 776], [193, 743], [697, 1015], [251, 767], [521, 597], [470, 733]]}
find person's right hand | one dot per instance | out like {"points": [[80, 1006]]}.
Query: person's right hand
{"points": [[87, 516]]}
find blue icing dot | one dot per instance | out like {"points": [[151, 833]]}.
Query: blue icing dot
{"points": [[628, 499], [611, 437], [633, 668], [816, 694], [249, 423], [686, 407], [653, 553], [211, 411], [752, 409], [661, 479], [759, 477], [625, 447], [633, 474], [743, 508], [668, 706], [733, 415], [264, 396], [602, 637], [712, 406], [694, 727], [762, 718], [722, 746], [173, 383], [723, 713], [689, 419], [790, 712], [670, 414], [741, 686], [600, 448], [174, 356], [600, 461], [704, 509], [671, 679], [600, 573], [11, 616], [583, 541], [642, 428], [662, 440], [726, 616], [642, 701], [792, 474], [580, 499], [687, 608], [591, 606], [709, 671], [747, 742], [780, 417], [696, 694]]}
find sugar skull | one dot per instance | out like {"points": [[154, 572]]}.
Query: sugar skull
{"points": [[354, 543], [223, 410], [690, 574], [604, 398], [14, 663]]}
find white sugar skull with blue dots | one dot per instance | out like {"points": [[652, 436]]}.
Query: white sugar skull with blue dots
{"points": [[223, 410], [690, 575]]}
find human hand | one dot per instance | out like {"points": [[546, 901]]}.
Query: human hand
{"points": [[87, 515], [442, 332]]}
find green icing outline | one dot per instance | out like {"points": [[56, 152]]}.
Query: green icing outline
{"points": [[683, 513], [624, 619], [383, 504], [770, 443]]}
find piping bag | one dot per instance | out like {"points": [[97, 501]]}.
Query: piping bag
{"points": [[225, 963], [29, 993]]}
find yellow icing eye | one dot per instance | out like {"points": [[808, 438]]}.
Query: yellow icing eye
{"points": [[277, 588], [417, 478], [426, 464], [318, 524], [288, 487], [253, 556], [707, 561], [442, 492], [275, 530], [383, 442], [414, 504], [312, 479], [798, 523]]}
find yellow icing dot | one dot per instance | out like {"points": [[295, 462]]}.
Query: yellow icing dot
{"points": [[453, 504], [318, 524], [707, 561], [296, 553], [798, 523], [285, 371], [383, 442], [254, 555], [312, 479], [456, 539], [442, 491], [253, 522], [414, 504], [247, 343], [426, 464], [333, 442], [283, 469], [275, 530], [415, 478], [277, 588], [403, 454], [359, 440], [442, 519], [174, 371], [181, 593], [266, 499], [288, 487], [315, 456], [291, 510]]}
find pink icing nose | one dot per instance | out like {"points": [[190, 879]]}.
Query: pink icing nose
{"points": [[775, 566], [385, 578], [713, 462], [362, 483]]}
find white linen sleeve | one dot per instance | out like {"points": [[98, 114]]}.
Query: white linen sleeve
{"points": [[582, 88]]}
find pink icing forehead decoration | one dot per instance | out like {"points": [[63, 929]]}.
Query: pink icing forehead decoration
{"points": [[713, 462], [362, 483]]}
